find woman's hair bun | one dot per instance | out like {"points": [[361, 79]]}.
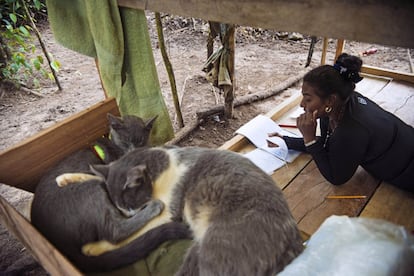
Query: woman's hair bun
{"points": [[349, 67]]}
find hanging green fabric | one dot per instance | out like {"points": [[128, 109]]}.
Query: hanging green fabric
{"points": [[119, 39]]}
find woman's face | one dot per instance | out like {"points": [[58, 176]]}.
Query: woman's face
{"points": [[311, 101]]}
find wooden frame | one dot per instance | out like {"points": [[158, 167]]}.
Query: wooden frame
{"points": [[367, 69], [383, 22], [22, 165]]}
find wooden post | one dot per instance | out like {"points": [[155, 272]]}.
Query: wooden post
{"points": [[229, 89], [324, 50], [340, 45]]}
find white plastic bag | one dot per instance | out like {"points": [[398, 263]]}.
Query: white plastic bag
{"points": [[356, 246]]}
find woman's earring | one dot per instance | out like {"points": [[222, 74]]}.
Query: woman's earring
{"points": [[328, 109]]}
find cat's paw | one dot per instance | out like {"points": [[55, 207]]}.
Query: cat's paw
{"points": [[97, 248]]}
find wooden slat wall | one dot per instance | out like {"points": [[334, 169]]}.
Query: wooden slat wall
{"points": [[22, 165], [383, 22]]}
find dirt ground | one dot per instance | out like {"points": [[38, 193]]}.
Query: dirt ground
{"points": [[264, 59]]}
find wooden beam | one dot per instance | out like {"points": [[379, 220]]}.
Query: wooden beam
{"points": [[22, 165], [396, 75], [383, 22], [340, 45]]}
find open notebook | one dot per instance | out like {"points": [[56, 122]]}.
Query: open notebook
{"points": [[267, 158]]}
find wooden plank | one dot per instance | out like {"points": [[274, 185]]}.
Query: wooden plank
{"points": [[22, 165], [286, 174], [324, 50], [306, 196], [396, 75], [351, 20], [392, 204], [50, 258]]}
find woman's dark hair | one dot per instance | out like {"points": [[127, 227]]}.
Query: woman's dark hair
{"points": [[338, 79]]}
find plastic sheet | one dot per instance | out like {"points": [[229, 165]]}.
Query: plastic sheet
{"points": [[356, 246]]}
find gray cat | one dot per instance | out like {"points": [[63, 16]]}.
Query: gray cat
{"points": [[239, 218], [79, 213]]}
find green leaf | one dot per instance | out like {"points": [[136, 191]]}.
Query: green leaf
{"points": [[24, 31], [55, 65], [51, 77], [40, 59], [13, 17], [37, 64], [37, 4]]}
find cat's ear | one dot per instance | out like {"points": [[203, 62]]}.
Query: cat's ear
{"points": [[100, 170], [113, 120], [137, 176], [150, 122]]}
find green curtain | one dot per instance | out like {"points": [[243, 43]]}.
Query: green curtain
{"points": [[119, 39]]}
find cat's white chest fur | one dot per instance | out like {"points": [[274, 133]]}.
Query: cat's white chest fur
{"points": [[163, 189]]}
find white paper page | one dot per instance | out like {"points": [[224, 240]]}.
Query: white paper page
{"points": [[257, 131], [264, 160], [281, 151]]}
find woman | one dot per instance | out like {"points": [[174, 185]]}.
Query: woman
{"points": [[354, 130]]}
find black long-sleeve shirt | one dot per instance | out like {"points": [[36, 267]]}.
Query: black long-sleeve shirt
{"points": [[369, 136]]}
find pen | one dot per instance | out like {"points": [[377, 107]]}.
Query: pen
{"points": [[345, 196], [292, 126]]}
